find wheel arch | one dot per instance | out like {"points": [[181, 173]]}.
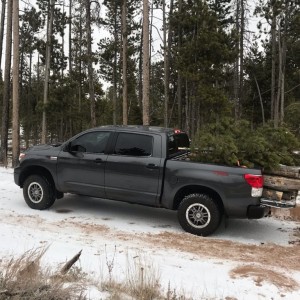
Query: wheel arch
{"points": [[192, 189], [36, 170]]}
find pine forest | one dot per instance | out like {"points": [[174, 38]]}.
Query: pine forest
{"points": [[224, 71]]}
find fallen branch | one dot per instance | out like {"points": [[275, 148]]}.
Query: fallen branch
{"points": [[70, 263], [3, 292]]}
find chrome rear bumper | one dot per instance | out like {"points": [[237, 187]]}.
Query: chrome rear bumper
{"points": [[279, 204], [290, 199]]}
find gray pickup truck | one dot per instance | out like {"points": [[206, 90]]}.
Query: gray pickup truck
{"points": [[145, 165]]}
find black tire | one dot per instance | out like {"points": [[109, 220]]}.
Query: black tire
{"points": [[199, 214], [38, 192]]}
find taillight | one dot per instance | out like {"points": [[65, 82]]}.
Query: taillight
{"points": [[255, 181]]}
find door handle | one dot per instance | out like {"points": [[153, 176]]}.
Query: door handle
{"points": [[152, 166], [98, 161]]}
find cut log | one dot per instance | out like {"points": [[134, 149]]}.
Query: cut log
{"points": [[286, 171], [272, 194], [281, 183]]}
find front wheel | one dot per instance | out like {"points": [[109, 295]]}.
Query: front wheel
{"points": [[38, 192], [199, 214]]}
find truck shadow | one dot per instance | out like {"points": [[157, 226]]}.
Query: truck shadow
{"points": [[134, 217], [117, 211]]}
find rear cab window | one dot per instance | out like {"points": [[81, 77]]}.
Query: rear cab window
{"points": [[178, 144]]}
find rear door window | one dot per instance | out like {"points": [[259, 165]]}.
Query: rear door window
{"points": [[133, 144]]}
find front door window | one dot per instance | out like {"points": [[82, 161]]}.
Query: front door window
{"points": [[92, 142]]}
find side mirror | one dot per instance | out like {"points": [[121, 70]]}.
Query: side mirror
{"points": [[67, 147], [76, 148]]}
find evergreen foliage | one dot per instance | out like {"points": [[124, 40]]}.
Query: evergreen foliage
{"points": [[233, 143], [203, 39]]}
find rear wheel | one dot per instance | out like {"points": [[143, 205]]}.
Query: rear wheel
{"points": [[199, 214], [38, 192]]}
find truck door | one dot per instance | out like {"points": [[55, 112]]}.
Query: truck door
{"points": [[134, 168], [80, 167]]}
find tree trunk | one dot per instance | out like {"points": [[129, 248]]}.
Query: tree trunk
{"points": [[281, 116], [273, 70], [151, 16], [63, 41], [70, 38], [236, 79], [47, 67], [283, 41], [90, 62], [6, 88], [169, 49], [115, 69], [36, 129], [193, 114], [28, 123], [241, 88], [261, 102], [2, 30], [15, 98], [146, 83], [22, 64], [80, 68], [124, 59], [166, 66], [276, 106], [198, 118], [140, 97], [187, 108], [179, 76]]}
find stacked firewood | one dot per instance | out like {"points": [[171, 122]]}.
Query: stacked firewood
{"points": [[282, 184]]}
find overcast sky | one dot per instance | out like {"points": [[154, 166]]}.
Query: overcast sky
{"points": [[156, 29]]}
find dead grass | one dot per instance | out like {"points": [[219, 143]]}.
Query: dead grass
{"points": [[223, 249], [24, 278], [262, 274], [141, 281]]}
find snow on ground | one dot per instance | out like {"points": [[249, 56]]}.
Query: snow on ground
{"points": [[249, 259]]}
